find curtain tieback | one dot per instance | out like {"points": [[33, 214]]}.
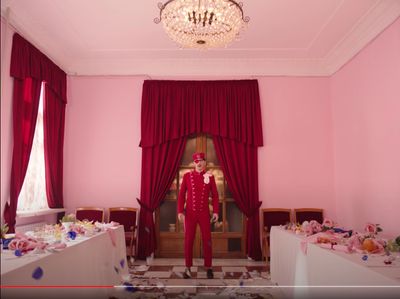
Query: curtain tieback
{"points": [[144, 206], [255, 210]]}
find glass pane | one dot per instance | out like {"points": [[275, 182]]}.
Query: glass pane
{"points": [[233, 217], [219, 180], [171, 194], [168, 216], [212, 159], [234, 244], [190, 149], [217, 226], [228, 193]]}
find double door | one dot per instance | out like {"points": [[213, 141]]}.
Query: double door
{"points": [[228, 234]]}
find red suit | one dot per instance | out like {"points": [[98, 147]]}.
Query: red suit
{"points": [[198, 186]]}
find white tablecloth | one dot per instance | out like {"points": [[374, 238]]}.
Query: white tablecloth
{"points": [[93, 261], [324, 272]]}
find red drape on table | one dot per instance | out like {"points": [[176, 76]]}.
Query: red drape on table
{"points": [[239, 165], [172, 110], [25, 109], [29, 68], [53, 122], [159, 166]]}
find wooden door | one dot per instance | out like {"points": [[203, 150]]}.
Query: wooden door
{"points": [[228, 235]]}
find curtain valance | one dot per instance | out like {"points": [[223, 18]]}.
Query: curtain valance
{"points": [[28, 61], [172, 109]]}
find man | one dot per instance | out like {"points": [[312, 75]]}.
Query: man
{"points": [[198, 183]]}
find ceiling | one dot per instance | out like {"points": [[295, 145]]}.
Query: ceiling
{"points": [[119, 37]]}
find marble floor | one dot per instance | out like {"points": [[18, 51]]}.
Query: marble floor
{"points": [[233, 278]]}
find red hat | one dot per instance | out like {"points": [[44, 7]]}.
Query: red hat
{"points": [[198, 156]]}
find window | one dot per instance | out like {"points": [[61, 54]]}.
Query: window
{"points": [[33, 193]]}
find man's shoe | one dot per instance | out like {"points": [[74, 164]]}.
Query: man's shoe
{"points": [[187, 274], [210, 274]]}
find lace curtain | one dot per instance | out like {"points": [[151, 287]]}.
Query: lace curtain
{"points": [[33, 193]]}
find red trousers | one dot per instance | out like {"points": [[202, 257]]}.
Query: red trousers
{"points": [[191, 221]]}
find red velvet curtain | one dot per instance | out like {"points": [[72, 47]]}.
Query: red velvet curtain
{"points": [[159, 166], [172, 110], [30, 68], [53, 122], [25, 109], [239, 165], [27, 61]]}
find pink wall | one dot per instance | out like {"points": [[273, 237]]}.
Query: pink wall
{"points": [[365, 98], [295, 164], [102, 158]]}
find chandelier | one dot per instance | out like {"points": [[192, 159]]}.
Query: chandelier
{"points": [[202, 23]]}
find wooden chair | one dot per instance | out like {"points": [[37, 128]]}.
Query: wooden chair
{"points": [[308, 214], [127, 217], [271, 217], [90, 213]]}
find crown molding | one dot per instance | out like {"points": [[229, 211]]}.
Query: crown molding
{"points": [[199, 67], [377, 19], [369, 27]]}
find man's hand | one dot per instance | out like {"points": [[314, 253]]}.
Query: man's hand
{"points": [[181, 217], [214, 217]]}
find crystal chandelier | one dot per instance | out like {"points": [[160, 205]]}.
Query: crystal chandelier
{"points": [[202, 23]]}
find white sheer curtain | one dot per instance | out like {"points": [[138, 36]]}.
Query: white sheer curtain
{"points": [[33, 193]]}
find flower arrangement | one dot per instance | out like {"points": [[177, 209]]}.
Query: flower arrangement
{"points": [[393, 245], [311, 227], [327, 224], [3, 230], [372, 229], [368, 241], [68, 218]]}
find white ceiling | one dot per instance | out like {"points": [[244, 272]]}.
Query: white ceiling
{"points": [[119, 37]]}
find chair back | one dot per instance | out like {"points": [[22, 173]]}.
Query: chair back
{"points": [[308, 214], [271, 217], [90, 213], [125, 216]]}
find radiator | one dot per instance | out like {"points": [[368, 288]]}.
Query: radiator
{"points": [[29, 227]]}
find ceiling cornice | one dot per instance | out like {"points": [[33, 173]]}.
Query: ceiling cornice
{"points": [[367, 29], [378, 18]]}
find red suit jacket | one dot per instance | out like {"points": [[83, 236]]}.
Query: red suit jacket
{"points": [[198, 186]]}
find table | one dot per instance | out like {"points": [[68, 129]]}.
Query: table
{"points": [[323, 272], [87, 261]]}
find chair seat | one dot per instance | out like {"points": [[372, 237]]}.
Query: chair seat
{"points": [[90, 214], [271, 217], [126, 217], [308, 214]]}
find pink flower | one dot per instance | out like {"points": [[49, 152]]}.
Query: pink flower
{"points": [[316, 227], [23, 245], [308, 230], [371, 228], [354, 242], [328, 223]]}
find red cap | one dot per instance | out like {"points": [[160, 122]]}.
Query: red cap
{"points": [[198, 156]]}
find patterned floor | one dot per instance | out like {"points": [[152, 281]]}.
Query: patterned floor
{"points": [[162, 278]]}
